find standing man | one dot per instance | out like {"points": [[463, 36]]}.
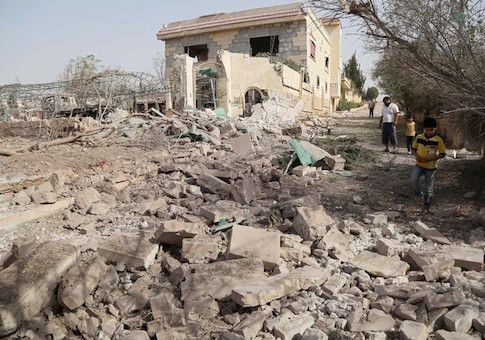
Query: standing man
{"points": [[388, 123], [372, 105]]}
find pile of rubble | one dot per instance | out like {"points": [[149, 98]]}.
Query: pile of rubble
{"points": [[217, 233]]}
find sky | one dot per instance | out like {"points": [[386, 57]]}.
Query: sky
{"points": [[39, 37]]}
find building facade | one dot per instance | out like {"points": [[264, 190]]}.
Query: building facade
{"points": [[239, 59]]}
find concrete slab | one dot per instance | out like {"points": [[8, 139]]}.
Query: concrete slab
{"points": [[466, 257], [254, 242], [430, 233], [252, 324], [388, 247], [411, 330], [311, 223], [129, 249], [290, 327], [242, 145], [217, 279], [378, 265], [34, 214], [445, 335], [196, 250], [460, 318], [449, 299], [244, 191], [334, 284], [81, 279], [27, 286], [213, 184], [173, 232], [259, 292]]}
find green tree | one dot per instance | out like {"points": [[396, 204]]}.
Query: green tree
{"points": [[354, 73], [371, 93]]}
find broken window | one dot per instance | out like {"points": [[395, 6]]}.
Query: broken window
{"points": [[326, 87], [313, 50], [201, 52], [269, 45], [326, 62], [318, 82], [306, 77]]}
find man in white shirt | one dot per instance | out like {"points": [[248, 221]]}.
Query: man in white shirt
{"points": [[388, 123]]}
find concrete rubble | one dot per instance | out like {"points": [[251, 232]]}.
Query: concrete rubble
{"points": [[216, 232]]}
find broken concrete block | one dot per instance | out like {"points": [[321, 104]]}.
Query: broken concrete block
{"points": [[383, 303], [377, 321], [406, 311], [430, 233], [301, 170], [252, 324], [34, 214], [336, 163], [314, 334], [163, 304], [129, 249], [259, 292], [253, 242], [294, 241], [81, 279], [389, 247], [213, 184], [244, 191], [86, 198], [445, 335], [28, 284], [99, 208], [311, 223], [337, 244], [41, 197], [357, 209], [242, 145], [411, 330], [291, 255], [289, 327], [479, 323], [217, 279], [207, 307], [134, 335], [449, 299], [431, 257], [460, 318], [334, 284], [378, 265], [219, 212], [196, 250], [435, 319], [173, 232], [466, 257]]}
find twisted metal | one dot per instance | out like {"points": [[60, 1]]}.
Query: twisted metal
{"points": [[104, 91]]}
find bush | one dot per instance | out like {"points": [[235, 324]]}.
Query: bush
{"points": [[344, 105]]}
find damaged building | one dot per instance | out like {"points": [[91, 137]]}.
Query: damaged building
{"points": [[236, 60]]}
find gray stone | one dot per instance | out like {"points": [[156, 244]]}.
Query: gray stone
{"points": [[449, 299], [242, 145], [334, 284], [259, 292], [445, 335], [314, 334], [244, 191], [460, 318], [389, 247], [379, 265], [479, 323], [411, 330], [406, 311]]}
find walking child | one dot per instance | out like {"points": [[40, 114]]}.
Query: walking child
{"points": [[427, 148], [410, 133]]}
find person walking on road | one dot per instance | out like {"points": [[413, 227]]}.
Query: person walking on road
{"points": [[372, 105], [388, 123]]}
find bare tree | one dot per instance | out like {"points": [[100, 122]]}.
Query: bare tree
{"points": [[159, 66]]}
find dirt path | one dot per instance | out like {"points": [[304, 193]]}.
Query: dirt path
{"points": [[387, 185]]}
